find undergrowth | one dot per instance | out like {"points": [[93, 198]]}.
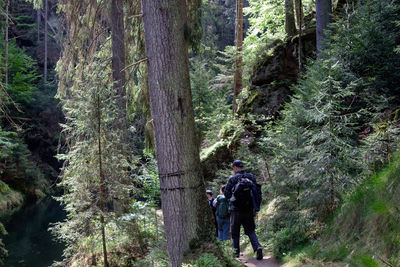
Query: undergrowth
{"points": [[366, 230]]}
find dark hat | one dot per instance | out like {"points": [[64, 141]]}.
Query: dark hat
{"points": [[237, 163], [209, 192]]}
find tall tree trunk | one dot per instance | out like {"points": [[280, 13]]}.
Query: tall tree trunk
{"points": [[181, 179], [238, 82], [299, 12], [6, 43], [118, 52], [290, 26], [300, 18], [46, 10], [101, 181], [323, 15], [38, 21]]}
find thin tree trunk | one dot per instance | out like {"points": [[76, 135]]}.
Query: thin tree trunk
{"points": [[238, 82], [181, 180], [38, 21], [102, 193], [290, 26], [6, 43], [46, 10], [323, 15], [300, 18], [118, 52]]}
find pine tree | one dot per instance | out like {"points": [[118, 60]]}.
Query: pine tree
{"points": [[98, 165], [332, 147], [95, 174]]}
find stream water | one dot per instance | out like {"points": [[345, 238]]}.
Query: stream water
{"points": [[29, 243]]}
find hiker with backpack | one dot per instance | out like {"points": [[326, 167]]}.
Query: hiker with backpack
{"points": [[210, 200], [222, 213], [244, 195]]}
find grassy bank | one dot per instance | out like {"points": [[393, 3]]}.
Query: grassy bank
{"points": [[9, 199], [365, 231]]}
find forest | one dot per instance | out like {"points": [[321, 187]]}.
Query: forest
{"points": [[120, 120]]}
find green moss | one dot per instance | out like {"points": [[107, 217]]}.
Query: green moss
{"points": [[211, 150]]}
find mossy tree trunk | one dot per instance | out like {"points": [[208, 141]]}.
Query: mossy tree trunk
{"points": [[290, 26], [238, 82]]}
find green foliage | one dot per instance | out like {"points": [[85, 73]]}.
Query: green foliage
{"points": [[267, 23], [365, 232], [267, 19], [149, 182], [314, 148], [91, 126], [211, 254], [314, 151], [379, 145], [208, 260], [288, 238], [3, 251], [211, 99], [22, 74]]}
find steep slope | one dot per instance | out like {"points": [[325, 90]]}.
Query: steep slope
{"points": [[365, 231]]}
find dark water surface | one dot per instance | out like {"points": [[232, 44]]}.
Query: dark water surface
{"points": [[29, 243]]}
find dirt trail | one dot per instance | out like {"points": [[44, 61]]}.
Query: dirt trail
{"points": [[267, 261]]}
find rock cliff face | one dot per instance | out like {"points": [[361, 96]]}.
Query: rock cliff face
{"points": [[274, 75], [270, 88]]}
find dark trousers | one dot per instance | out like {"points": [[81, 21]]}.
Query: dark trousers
{"points": [[239, 218], [216, 224]]}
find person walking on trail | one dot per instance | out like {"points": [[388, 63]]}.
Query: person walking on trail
{"points": [[222, 213], [244, 195], [210, 199]]}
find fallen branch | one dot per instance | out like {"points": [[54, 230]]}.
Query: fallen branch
{"points": [[385, 262]]}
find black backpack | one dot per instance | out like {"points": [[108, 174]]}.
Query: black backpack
{"points": [[246, 194]]}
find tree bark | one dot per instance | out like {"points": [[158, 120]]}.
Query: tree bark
{"points": [[181, 180], [6, 43], [118, 52], [46, 10], [299, 12], [238, 82], [290, 26], [38, 21], [323, 15], [300, 18]]}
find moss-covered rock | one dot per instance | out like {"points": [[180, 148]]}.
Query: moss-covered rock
{"points": [[9, 199], [274, 74]]}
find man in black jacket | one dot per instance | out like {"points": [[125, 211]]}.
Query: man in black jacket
{"points": [[242, 213]]}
